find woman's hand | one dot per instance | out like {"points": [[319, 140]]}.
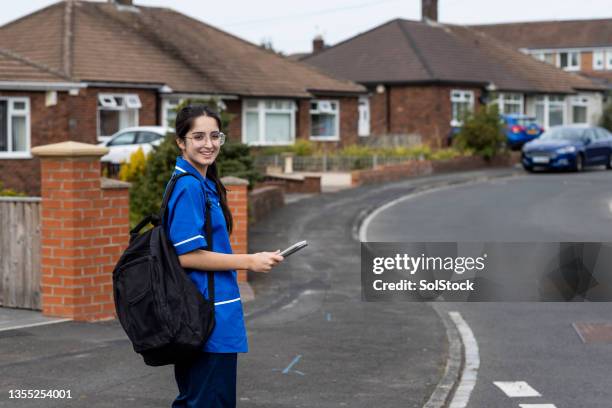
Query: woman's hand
{"points": [[265, 261]]}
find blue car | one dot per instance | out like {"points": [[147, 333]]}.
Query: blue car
{"points": [[520, 129], [569, 148]]}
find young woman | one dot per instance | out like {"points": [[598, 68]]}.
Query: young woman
{"points": [[210, 380]]}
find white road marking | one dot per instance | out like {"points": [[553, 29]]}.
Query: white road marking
{"points": [[363, 229], [537, 406], [472, 363], [24, 326], [516, 389], [610, 206]]}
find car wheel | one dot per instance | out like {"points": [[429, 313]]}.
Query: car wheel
{"points": [[579, 162], [528, 169], [609, 165]]}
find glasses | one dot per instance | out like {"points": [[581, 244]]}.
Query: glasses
{"points": [[217, 138]]}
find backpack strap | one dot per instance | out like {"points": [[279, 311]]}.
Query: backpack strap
{"points": [[207, 225]]}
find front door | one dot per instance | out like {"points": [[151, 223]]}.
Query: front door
{"points": [[364, 116]]}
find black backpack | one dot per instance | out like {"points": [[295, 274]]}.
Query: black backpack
{"points": [[162, 311]]}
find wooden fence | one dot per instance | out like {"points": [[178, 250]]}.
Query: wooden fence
{"points": [[20, 252]]}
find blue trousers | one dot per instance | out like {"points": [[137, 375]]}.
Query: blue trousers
{"points": [[207, 382]]}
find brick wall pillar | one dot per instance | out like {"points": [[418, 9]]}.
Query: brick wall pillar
{"points": [[237, 201], [85, 227]]}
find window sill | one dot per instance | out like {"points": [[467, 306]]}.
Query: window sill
{"points": [[290, 143], [325, 138], [10, 155]]}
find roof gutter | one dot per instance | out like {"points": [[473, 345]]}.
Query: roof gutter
{"points": [[159, 87], [316, 92], [40, 86]]}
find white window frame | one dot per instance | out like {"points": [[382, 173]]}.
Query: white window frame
{"points": [[261, 111], [11, 112], [608, 58], [167, 105], [336, 112], [106, 101], [580, 100], [465, 96], [599, 56], [504, 99], [546, 102], [569, 67]]}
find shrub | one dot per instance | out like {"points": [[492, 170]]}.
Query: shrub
{"points": [[235, 160], [136, 166], [9, 192], [445, 154], [482, 132], [301, 147]]}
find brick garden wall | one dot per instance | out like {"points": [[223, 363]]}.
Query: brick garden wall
{"points": [[413, 168], [85, 227], [263, 200], [237, 190]]}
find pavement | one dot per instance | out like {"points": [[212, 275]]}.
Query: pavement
{"points": [[313, 341]]}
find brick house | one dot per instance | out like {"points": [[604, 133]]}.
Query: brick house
{"points": [[80, 70], [583, 46], [421, 76]]}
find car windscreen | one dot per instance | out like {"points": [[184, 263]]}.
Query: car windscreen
{"points": [[564, 134], [126, 138], [526, 121]]}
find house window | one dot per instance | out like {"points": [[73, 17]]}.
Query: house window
{"points": [[556, 110], [598, 59], [609, 58], [14, 128], [116, 112], [570, 61], [268, 122], [324, 120], [548, 57], [550, 110], [509, 103], [579, 109], [169, 105], [462, 102]]}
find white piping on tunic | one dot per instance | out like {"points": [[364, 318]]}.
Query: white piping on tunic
{"points": [[227, 301], [179, 169], [188, 240]]}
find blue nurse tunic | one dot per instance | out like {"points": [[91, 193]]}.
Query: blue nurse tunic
{"points": [[186, 230]]}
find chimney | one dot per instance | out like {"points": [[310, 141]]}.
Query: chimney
{"points": [[121, 2], [429, 10], [318, 44]]}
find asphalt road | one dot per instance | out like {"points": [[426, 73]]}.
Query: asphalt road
{"points": [[534, 343], [313, 341]]}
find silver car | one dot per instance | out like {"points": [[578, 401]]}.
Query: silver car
{"points": [[125, 142]]}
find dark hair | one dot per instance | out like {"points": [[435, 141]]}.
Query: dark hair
{"points": [[184, 123]]}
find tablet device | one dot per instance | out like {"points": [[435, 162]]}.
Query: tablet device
{"points": [[293, 248]]}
